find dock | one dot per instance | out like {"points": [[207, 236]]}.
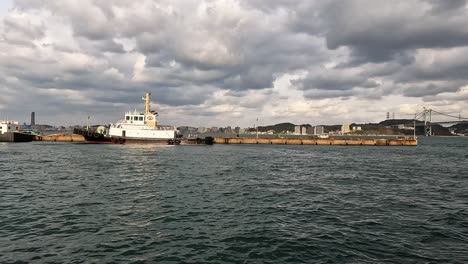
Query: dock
{"points": [[319, 141]]}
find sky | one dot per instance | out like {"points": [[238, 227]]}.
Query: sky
{"points": [[231, 63]]}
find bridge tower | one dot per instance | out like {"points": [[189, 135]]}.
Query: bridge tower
{"points": [[427, 114]]}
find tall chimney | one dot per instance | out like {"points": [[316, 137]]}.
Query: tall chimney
{"points": [[33, 119]]}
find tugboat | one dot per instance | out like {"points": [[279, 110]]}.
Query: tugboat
{"points": [[136, 127], [10, 132]]}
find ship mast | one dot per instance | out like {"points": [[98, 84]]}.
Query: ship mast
{"points": [[150, 117], [147, 104]]}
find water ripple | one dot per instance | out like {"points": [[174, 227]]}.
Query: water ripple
{"points": [[74, 203]]}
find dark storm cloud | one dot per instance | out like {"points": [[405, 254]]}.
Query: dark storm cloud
{"points": [[383, 37], [415, 74], [333, 80], [249, 56], [444, 6], [378, 31], [323, 94], [97, 47], [430, 89], [182, 95], [252, 78], [451, 67], [185, 51]]}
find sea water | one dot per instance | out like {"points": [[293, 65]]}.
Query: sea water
{"points": [[80, 203]]}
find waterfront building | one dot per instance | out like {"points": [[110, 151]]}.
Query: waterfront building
{"points": [[406, 126], [228, 130], [297, 130], [318, 130], [239, 130], [304, 130], [345, 129]]}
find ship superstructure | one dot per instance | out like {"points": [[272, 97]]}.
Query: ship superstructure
{"points": [[10, 131], [135, 127]]}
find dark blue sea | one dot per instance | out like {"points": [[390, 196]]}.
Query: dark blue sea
{"points": [[78, 203]]}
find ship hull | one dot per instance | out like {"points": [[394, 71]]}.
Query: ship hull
{"points": [[94, 137], [128, 140], [91, 136], [157, 141], [16, 137]]}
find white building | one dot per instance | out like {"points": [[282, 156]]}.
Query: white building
{"points": [[318, 130], [297, 130], [345, 129]]}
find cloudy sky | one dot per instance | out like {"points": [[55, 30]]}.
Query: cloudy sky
{"points": [[229, 62]]}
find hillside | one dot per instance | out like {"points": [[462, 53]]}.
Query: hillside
{"points": [[396, 122], [387, 127], [460, 128], [437, 130]]}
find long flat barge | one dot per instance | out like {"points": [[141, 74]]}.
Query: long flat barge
{"points": [[77, 138], [319, 141], [60, 138], [265, 141]]}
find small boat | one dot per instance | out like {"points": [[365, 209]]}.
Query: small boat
{"points": [[323, 135], [136, 127], [10, 131]]}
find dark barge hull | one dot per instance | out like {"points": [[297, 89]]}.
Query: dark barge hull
{"points": [[93, 137], [16, 137], [171, 141]]}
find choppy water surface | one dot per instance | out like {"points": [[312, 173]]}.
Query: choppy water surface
{"points": [[73, 203]]}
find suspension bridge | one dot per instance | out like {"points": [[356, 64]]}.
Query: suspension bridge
{"points": [[431, 117]]}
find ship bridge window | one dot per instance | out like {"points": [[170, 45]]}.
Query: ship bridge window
{"points": [[141, 118], [127, 117]]}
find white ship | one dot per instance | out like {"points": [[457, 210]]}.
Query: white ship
{"points": [[10, 131], [135, 127]]}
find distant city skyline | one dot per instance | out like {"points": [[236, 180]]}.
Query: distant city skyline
{"points": [[231, 63]]}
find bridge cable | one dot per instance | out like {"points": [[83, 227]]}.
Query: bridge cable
{"points": [[457, 117]]}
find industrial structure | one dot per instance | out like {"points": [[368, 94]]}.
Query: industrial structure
{"points": [[33, 119]]}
